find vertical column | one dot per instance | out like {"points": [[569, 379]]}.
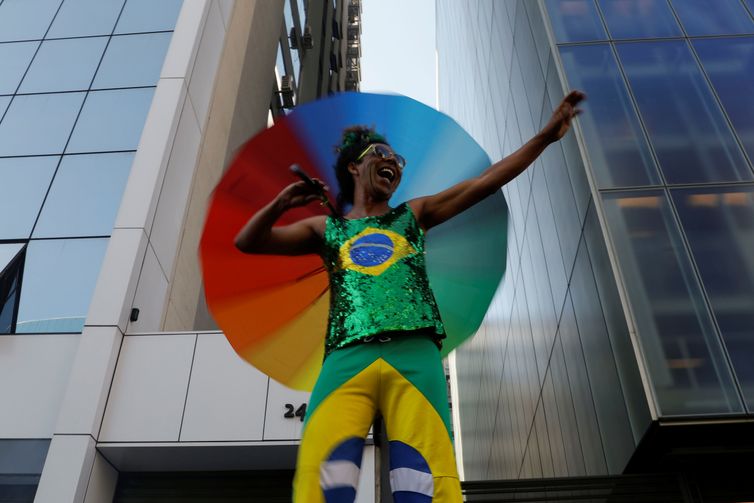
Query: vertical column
{"points": [[74, 471]]}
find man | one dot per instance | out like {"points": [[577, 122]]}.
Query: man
{"points": [[384, 330]]}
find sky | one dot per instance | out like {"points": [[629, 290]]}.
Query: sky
{"points": [[398, 48]]}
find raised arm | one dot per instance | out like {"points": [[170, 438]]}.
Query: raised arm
{"points": [[435, 209], [298, 238]]}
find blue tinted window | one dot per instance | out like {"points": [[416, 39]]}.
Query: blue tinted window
{"points": [[25, 20], [750, 3], [575, 20], [23, 184], [679, 341], [111, 120], [22, 456], [21, 462], [301, 11], [11, 263], [701, 17], [617, 145], [133, 60], [690, 135], [644, 19], [730, 65], [79, 18], [8, 252], [15, 59], [719, 225], [59, 280], [38, 124], [85, 196], [64, 65], [4, 102], [148, 15], [280, 63]]}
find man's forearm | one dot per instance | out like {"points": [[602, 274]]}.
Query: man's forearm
{"points": [[257, 230], [513, 165]]}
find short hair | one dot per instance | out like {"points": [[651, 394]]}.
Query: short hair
{"points": [[354, 141]]}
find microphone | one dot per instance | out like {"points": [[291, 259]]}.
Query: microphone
{"points": [[296, 170]]}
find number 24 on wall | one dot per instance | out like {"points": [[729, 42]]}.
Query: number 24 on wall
{"points": [[300, 412]]}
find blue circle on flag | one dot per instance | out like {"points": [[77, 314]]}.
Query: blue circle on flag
{"points": [[371, 250]]}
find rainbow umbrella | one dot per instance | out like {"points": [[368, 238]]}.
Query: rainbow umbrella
{"points": [[274, 309]]}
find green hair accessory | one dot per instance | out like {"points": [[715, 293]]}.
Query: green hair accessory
{"points": [[360, 137]]}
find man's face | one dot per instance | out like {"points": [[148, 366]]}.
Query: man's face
{"points": [[380, 170]]}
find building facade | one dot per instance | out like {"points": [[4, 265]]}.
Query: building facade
{"points": [[622, 338], [117, 118]]}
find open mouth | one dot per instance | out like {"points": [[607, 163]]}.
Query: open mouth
{"points": [[387, 173]]}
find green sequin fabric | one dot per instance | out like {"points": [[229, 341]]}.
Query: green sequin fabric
{"points": [[378, 278]]}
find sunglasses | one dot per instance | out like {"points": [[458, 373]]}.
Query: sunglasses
{"points": [[383, 152]]}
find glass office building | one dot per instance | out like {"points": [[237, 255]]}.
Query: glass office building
{"points": [[624, 328], [76, 83]]}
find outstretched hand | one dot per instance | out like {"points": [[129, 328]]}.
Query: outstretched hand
{"points": [[560, 122]]}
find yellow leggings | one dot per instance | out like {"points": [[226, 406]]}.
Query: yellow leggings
{"points": [[405, 381]]}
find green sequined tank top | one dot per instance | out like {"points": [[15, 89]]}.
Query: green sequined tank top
{"points": [[378, 278]]}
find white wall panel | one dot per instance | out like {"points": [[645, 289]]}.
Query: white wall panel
{"points": [[149, 389], [142, 190], [102, 482], [181, 54], [207, 60], [89, 382], [67, 468], [366, 491], [116, 285], [176, 187], [150, 295], [226, 8], [34, 372], [226, 398], [277, 427]]}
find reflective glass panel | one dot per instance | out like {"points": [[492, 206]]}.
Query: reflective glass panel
{"points": [[575, 20], [617, 146], [729, 62], [690, 135], [25, 20], [133, 60], [681, 347], [23, 456], [750, 3], [111, 120], [38, 124], [4, 101], [64, 65], [15, 59], [726, 17], [85, 196], [10, 275], [640, 19], [21, 462], [23, 184], [80, 18], [58, 283], [279, 64], [719, 225], [8, 252], [148, 15]]}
